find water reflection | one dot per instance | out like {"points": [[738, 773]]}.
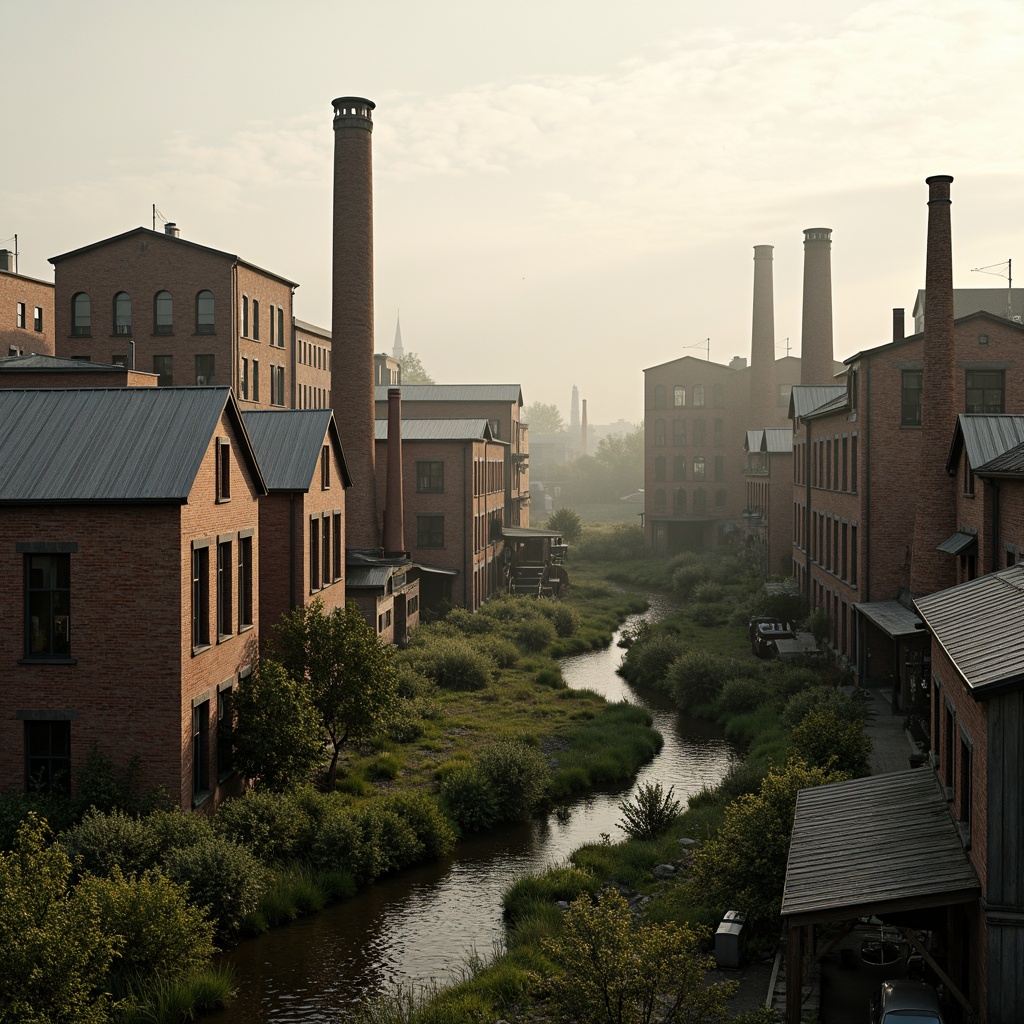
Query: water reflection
{"points": [[423, 924]]}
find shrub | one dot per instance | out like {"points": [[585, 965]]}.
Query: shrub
{"points": [[568, 523], [824, 740], [387, 842], [823, 698], [102, 842], [696, 678], [623, 543], [175, 829], [518, 776], [708, 592], [424, 817], [469, 799], [549, 677], [339, 840], [502, 651], [819, 624], [650, 813], [709, 615], [648, 658], [565, 618], [273, 826], [686, 578], [224, 878], [534, 633], [405, 726], [411, 683], [454, 664], [742, 694]]}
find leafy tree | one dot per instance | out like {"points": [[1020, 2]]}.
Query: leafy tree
{"points": [[413, 371], [568, 523], [743, 866], [348, 672], [54, 955], [618, 971], [543, 418], [277, 729]]}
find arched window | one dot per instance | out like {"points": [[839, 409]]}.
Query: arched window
{"points": [[679, 499], [163, 313], [659, 396], [204, 312], [698, 467], [679, 396], [659, 433], [700, 500], [659, 468], [122, 313], [698, 394], [679, 467], [81, 316]]}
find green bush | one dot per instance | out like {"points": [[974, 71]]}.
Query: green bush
{"points": [[709, 615], [696, 678], [339, 840], [565, 618], [549, 677], [411, 683], [559, 884], [405, 726], [742, 694], [650, 813], [103, 841], [454, 663], [823, 698], [825, 740], [624, 542], [425, 818], [708, 592], [502, 651], [469, 799], [175, 829], [568, 523], [223, 877], [273, 826], [387, 842], [647, 660], [533, 634], [518, 775], [686, 578]]}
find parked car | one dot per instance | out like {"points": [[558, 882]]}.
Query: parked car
{"points": [[906, 1002], [801, 648], [755, 621], [767, 633]]}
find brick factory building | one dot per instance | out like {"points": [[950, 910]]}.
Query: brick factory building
{"points": [[35, 371], [26, 320]]}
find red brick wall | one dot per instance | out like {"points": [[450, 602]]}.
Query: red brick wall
{"points": [[87, 379], [15, 288], [271, 295], [312, 369]]}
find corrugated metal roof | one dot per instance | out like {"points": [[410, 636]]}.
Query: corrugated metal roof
{"points": [[778, 440], [34, 363], [302, 325], [874, 845], [527, 532], [287, 444], [1008, 464], [754, 440], [454, 393], [891, 617], [810, 398], [106, 444], [975, 300], [987, 435], [437, 430], [958, 542], [980, 626], [368, 576]]}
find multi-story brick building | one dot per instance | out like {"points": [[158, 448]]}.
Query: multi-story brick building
{"points": [[187, 312], [302, 517], [312, 347], [26, 311], [130, 581], [768, 496]]}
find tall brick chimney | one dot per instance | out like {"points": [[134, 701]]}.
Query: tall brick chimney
{"points": [[763, 403], [898, 324], [394, 502], [816, 332], [935, 518], [583, 429], [352, 313]]}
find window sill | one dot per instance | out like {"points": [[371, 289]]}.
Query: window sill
{"points": [[48, 661], [200, 798], [200, 649], [964, 828], [244, 627], [222, 637], [223, 777], [223, 501]]}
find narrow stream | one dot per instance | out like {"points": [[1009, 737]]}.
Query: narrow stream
{"points": [[423, 924]]}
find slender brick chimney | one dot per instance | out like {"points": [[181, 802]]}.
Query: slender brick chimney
{"points": [[763, 405], [816, 333], [352, 313], [574, 409], [898, 321], [935, 519], [394, 502], [583, 429]]}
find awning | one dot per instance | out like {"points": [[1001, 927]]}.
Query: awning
{"points": [[891, 617], [958, 543], [878, 845], [528, 533]]}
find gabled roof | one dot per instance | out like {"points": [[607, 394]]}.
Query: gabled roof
{"points": [[778, 441], [287, 444], [172, 240], [976, 300], [710, 364], [454, 393], [980, 627], [754, 440], [807, 399], [35, 363], [1010, 464], [985, 435], [302, 325], [110, 444], [439, 430]]}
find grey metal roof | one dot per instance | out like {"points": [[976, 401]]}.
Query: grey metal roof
{"points": [[874, 845], [976, 300], [527, 532], [754, 440], [454, 393], [108, 444], [891, 617], [287, 444], [302, 325], [810, 398], [371, 577], [985, 435], [778, 440], [437, 430], [980, 626], [1009, 464], [35, 363], [958, 543]]}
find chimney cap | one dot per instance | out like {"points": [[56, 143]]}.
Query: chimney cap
{"points": [[817, 234], [763, 252], [353, 111], [936, 178]]}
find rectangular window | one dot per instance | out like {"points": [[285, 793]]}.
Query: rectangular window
{"points": [[429, 476], [986, 390], [698, 467], [255, 319], [37, 320], [204, 369], [948, 749], [244, 384], [277, 385], [280, 327], [430, 531], [965, 781], [225, 589], [338, 548], [853, 556], [48, 756], [19, 320], [225, 733], [48, 606], [200, 749], [853, 463], [846, 463], [325, 533], [244, 582], [679, 432], [163, 367], [200, 597], [245, 316], [255, 380], [314, 554], [325, 468], [273, 321], [910, 408], [223, 469]]}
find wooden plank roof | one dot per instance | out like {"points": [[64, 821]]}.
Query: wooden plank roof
{"points": [[877, 845]]}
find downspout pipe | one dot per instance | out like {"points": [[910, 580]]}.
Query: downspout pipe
{"points": [[807, 513], [291, 550], [867, 485]]}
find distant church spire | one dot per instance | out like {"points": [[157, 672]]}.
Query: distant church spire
{"points": [[398, 351]]}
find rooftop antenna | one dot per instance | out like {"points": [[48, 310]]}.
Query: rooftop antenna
{"points": [[705, 344], [157, 213], [1004, 269], [785, 341]]}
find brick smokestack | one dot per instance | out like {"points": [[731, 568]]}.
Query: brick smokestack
{"points": [[935, 518], [394, 502], [583, 429], [816, 332], [763, 411], [352, 313], [898, 321]]}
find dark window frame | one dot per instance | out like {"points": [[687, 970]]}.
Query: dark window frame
{"points": [[81, 315], [985, 391], [430, 476], [163, 312], [206, 311], [200, 597], [122, 314], [225, 590], [47, 749], [910, 398], [430, 530], [47, 589], [245, 579]]}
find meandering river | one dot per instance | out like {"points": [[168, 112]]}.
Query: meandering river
{"points": [[423, 924]]}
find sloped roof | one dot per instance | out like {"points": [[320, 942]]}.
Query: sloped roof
{"points": [[778, 440], [755, 438], [1009, 464], [986, 436], [109, 444], [873, 846], [302, 325], [174, 240], [25, 277], [36, 363], [891, 617], [287, 444], [806, 399], [453, 393], [980, 626], [977, 300], [438, 430]]}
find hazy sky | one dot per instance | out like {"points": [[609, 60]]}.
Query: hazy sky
{"points": [[565, 192]]}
